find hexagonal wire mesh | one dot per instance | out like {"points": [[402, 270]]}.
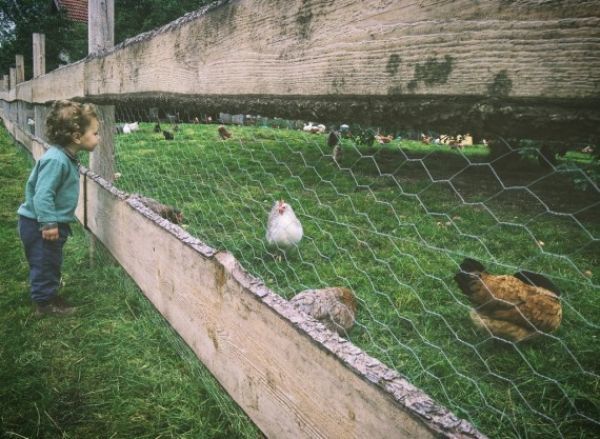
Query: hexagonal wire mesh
{"points": [[391, 215]]}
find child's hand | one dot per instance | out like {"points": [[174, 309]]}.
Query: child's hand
{"points": [[50, 234]]}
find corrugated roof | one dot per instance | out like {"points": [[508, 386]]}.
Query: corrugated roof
{"points": [[77, 10]]}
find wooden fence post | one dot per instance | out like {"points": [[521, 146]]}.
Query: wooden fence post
{"points": [[101, 25], [13, 77], [102, 159], [101, 36], [39, 116], [3, 85], [20, 68], [39, 55]]}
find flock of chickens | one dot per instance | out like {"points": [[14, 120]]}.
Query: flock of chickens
{"points": [[510, 307]]}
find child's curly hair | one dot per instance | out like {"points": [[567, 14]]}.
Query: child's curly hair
{"points": [[67, 118]]}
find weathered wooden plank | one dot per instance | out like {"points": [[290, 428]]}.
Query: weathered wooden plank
{"points": [[39, 54], [12, 71], [20, 69], [524, 68], [101, 25], [66, 82], [351, 48], [102, 160]]}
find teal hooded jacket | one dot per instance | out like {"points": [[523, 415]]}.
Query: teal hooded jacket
{"points": [[52, 190]]}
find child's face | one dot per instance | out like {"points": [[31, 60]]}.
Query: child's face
{"points": [[89, 140]]}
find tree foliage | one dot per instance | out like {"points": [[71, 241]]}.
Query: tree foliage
{"points": [[20, 18], [133, 17]]}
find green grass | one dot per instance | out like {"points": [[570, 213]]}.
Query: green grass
{"points": [[115, 369], [392, 223]]}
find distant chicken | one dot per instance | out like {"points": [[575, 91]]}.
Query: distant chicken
{"points": [[333, 138], [335, 307], [383, 139], [170, 213], [223, 133], [333, 141], [168, 135], [425, 139], [510, 307], [283, 228], [314, 129]]}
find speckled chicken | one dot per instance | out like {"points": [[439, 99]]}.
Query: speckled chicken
{"points": [[335, 307], [284, 230], [511, 307], [170, 213]]}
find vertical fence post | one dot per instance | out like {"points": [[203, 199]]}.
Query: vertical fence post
{"points": [[39, 116], [101, 31], [3, 83], [101, 37], [6, 81], [13, 77], [101, 25], [20, 68], [39, 55], [102, 159]]}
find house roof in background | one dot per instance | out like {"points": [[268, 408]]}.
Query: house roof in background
{"points": [[77, 10]]}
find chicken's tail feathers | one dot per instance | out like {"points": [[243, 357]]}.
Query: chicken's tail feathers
{"points": [[471, 266], [537, 280]]}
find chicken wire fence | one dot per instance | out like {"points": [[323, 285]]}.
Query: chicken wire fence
{"points": [[391, 215]]}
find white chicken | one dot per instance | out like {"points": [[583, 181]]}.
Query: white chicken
{"points": [[283, 228], [130, 127], [335, 307]]}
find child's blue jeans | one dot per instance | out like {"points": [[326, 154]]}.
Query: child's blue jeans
{"points": [[44, 257]]}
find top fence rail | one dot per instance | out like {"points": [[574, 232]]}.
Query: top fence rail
{"points": [[527, 68]]}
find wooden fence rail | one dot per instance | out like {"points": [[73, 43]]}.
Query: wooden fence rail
{"points": [[524, 68]]}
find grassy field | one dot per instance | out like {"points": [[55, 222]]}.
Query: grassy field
{"points": [[114, 370], [393, 222]]}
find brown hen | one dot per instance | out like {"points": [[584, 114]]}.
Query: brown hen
{"points": [[223, 133], [335, 307], [510, 307]]}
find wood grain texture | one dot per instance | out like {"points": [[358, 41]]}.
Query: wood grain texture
{"points": [[529, 49], [508, 67], [12, 72], [39, 54], [66, 82], [20, 68], [101, 25], [291, 375]]}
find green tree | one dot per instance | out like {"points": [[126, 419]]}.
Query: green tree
{"points": [[20, 18], [133, 17]]}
